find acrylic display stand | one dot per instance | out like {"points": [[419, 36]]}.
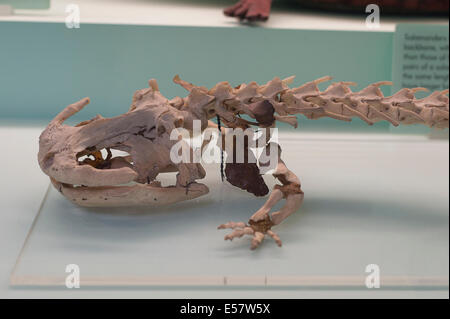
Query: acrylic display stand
{"points": [[369, 199]]}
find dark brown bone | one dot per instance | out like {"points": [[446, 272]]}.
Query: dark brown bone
{"points": [[247, 177], [263, 111]]}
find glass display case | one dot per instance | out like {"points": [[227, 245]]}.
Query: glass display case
{"points": [[369, 200], [376, 208]]}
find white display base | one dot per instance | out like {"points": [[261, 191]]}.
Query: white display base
{"points": [[373, 199]]}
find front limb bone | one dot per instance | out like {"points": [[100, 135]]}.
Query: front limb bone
{"points": [[260, 223]]}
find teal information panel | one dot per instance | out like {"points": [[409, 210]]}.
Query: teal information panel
{"points": [[46, 66], [421, 56], [27, 4], [420, 59]]}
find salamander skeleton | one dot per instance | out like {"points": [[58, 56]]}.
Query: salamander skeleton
{"points": [[80, 164]]}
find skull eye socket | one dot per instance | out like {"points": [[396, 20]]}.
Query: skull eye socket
{"points": [[211, 111]]}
